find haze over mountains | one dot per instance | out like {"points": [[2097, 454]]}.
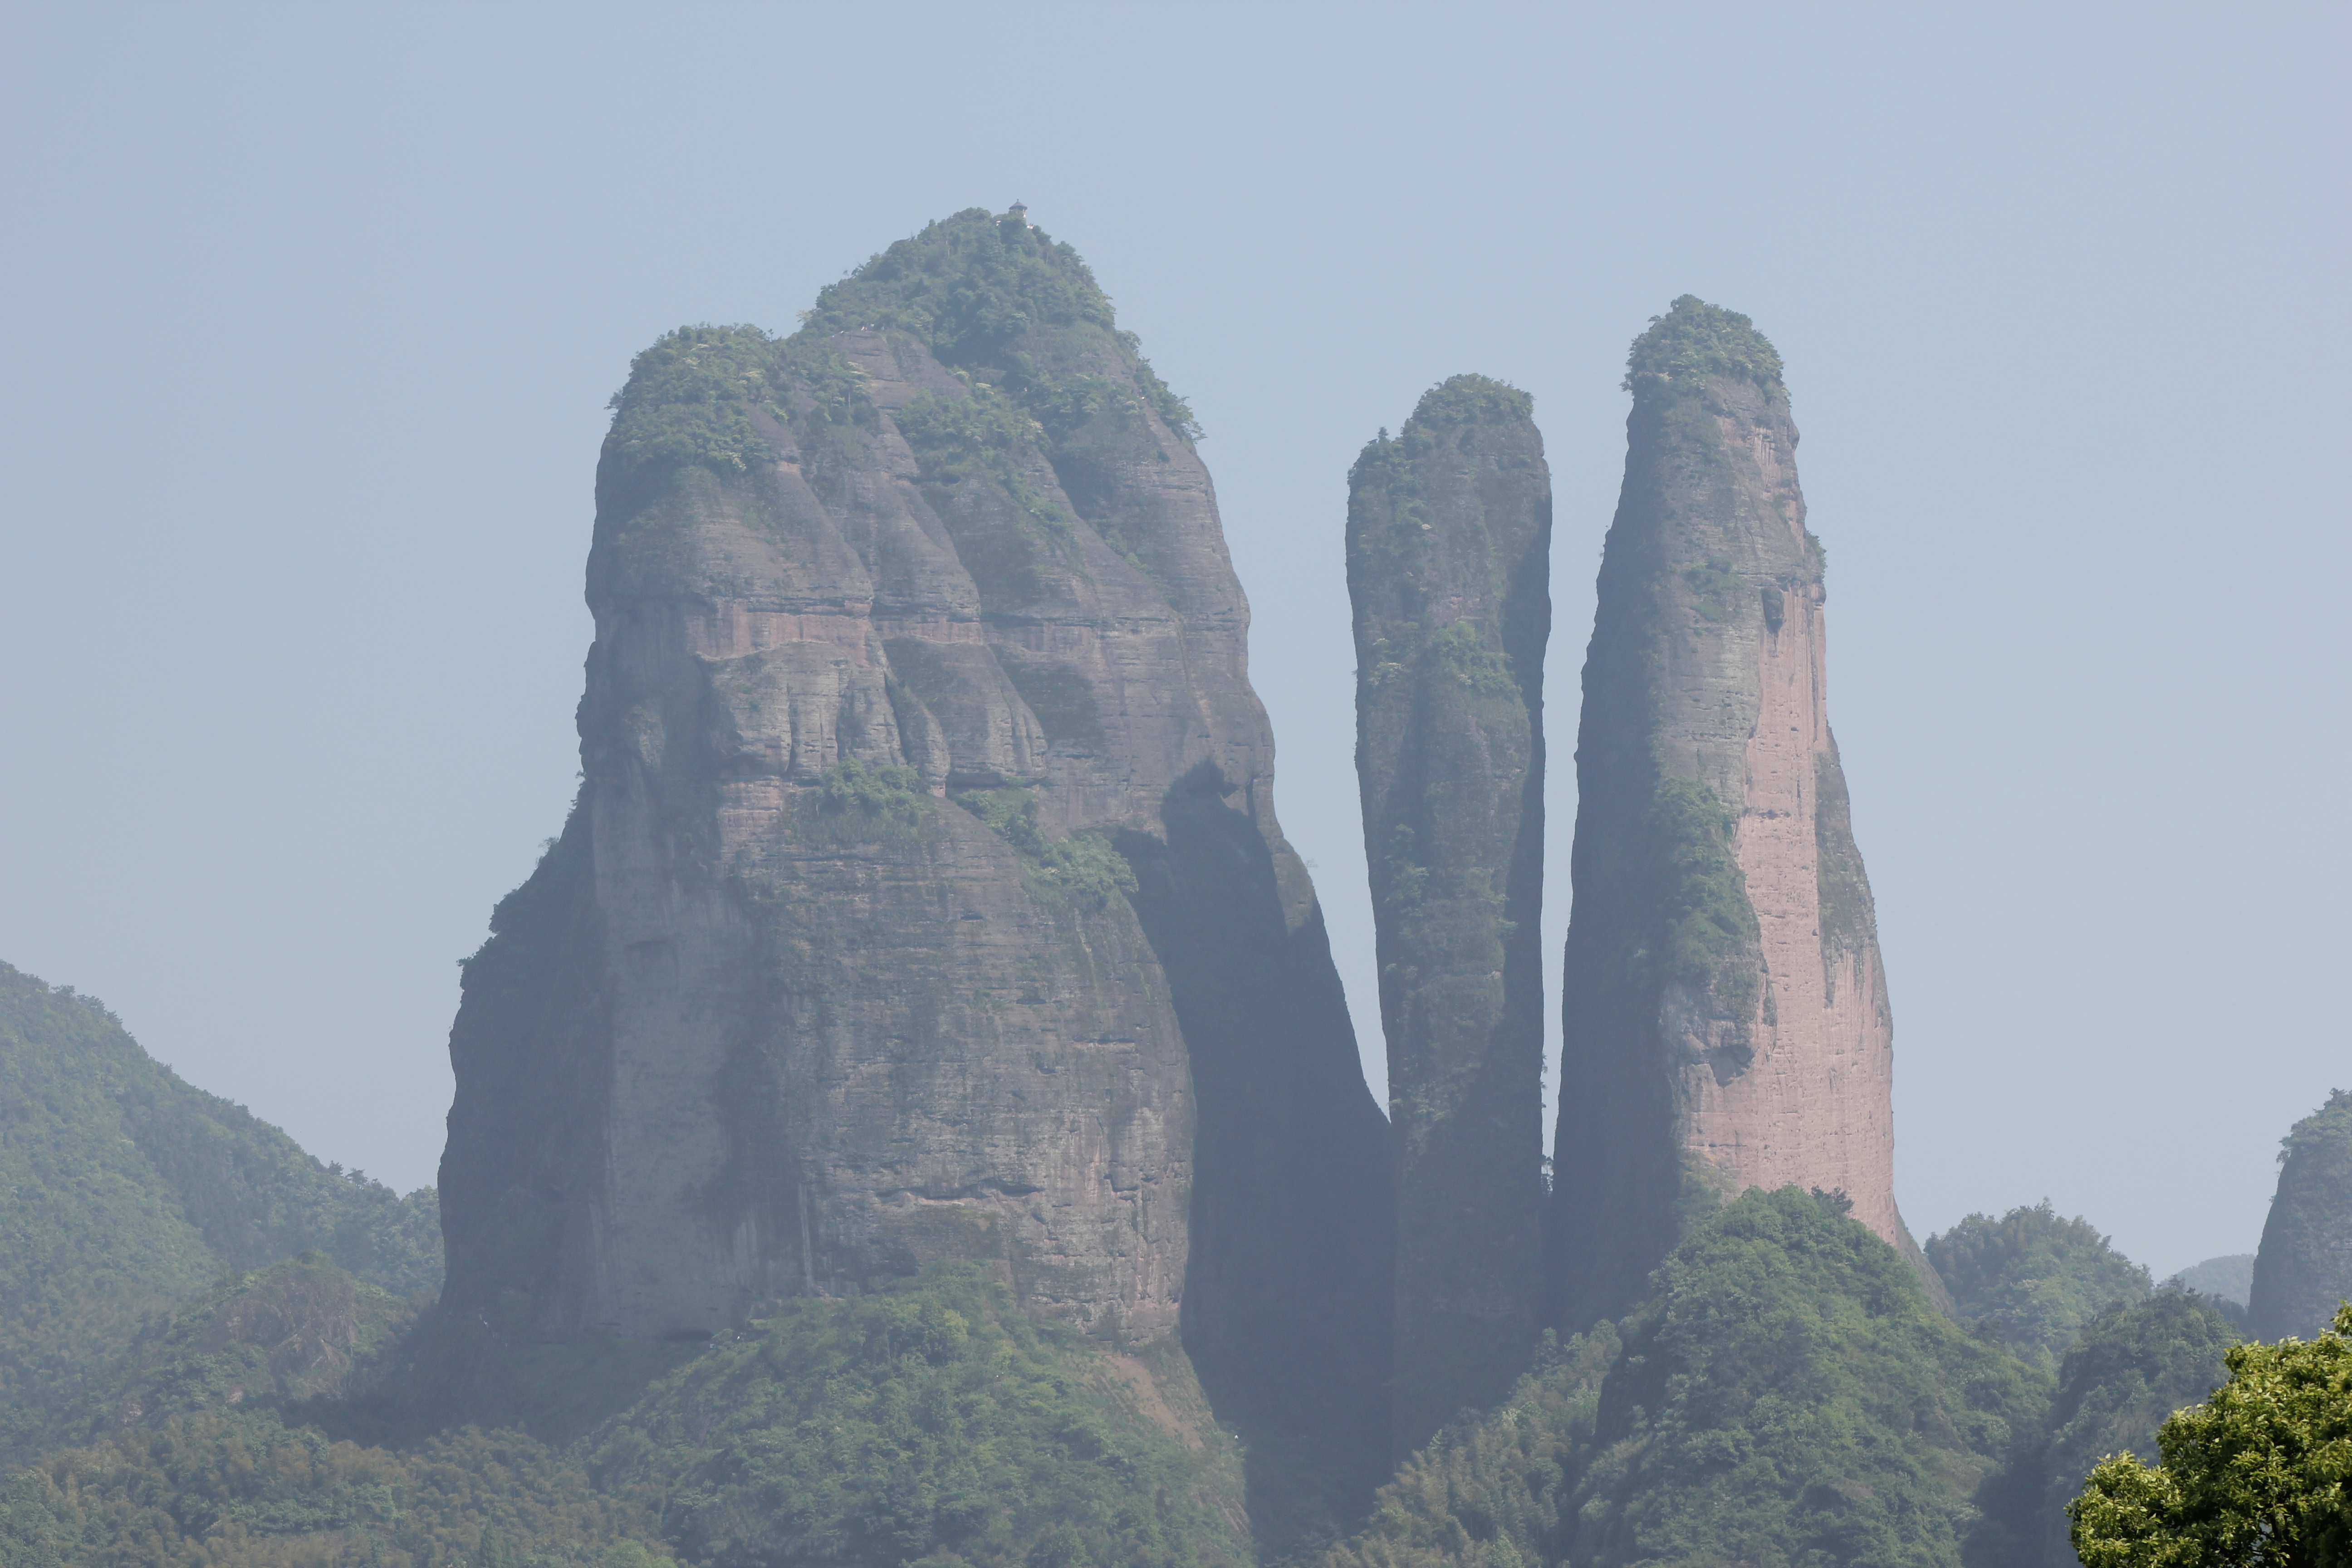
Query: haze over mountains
{"points": [[910, 1114]]}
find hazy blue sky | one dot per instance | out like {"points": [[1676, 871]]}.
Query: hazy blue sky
{"points": [[311, 312]]}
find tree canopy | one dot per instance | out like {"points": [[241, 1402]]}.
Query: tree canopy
{"points": [[2258, 1476]]}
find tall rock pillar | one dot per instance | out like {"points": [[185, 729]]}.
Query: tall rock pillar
{"points": [[1449, 546], [1726, 1021]]}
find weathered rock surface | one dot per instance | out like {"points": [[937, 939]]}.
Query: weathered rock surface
{"points": [[902, 623], [2305, 1268], [1725, 1016], [1449, 547]]}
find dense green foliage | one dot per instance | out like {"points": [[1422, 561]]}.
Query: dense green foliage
{"points": [[2131, 1367], [930, 1422], [130, 1191], [1788, 1396], [244, 1487], [195, 1454], [2258, 1474], [2305, 1268], [2036, 1277], [686, 400], [1488, 1493], [300, 1329], [1694, 341]]}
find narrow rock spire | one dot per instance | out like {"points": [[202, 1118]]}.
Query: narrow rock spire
{"points": [[1726, 1021], [1449, 544]]}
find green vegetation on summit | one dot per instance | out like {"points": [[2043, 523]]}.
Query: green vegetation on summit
{"points": [[1694, 341], [130, 1191], [997, 298]]}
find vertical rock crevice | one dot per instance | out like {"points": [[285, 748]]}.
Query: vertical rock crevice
{"points": [[1449, 536], [1725, 1015]]}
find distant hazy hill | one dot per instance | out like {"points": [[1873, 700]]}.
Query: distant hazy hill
{"points": [[123, 1191], [2230, 1278]]}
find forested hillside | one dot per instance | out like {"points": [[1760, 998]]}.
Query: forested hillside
{"points": [[2032, 1277], [1787, 1394], [128, 1191]]}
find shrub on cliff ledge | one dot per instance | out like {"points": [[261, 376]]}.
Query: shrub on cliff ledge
{"points": [[858, 803], [1083, 869]]}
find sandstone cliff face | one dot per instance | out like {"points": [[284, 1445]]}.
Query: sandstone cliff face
{"points": [[1725, 1017], [2305, 1268], [1449, 537], [924, 897]]}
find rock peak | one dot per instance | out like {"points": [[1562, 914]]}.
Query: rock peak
{"points": [[1694, 341]]}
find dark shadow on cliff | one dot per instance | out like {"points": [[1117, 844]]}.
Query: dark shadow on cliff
{"points": [[1286, 1297]]}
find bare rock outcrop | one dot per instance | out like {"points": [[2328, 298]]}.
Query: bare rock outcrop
{"points": [[1449, 555], [924, 897], [2304, 1270], [1725, 1016]]}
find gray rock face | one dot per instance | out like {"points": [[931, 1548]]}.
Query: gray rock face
{"points": [[1449, 536], [1725, 1016], [2304, 1270], [924, 897]]}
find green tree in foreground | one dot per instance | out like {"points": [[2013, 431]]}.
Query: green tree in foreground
{"points": [[2260, 1475]]}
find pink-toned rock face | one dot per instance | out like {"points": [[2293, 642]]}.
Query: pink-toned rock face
{"points": [[1814, 1107], [1725, 1016]]}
